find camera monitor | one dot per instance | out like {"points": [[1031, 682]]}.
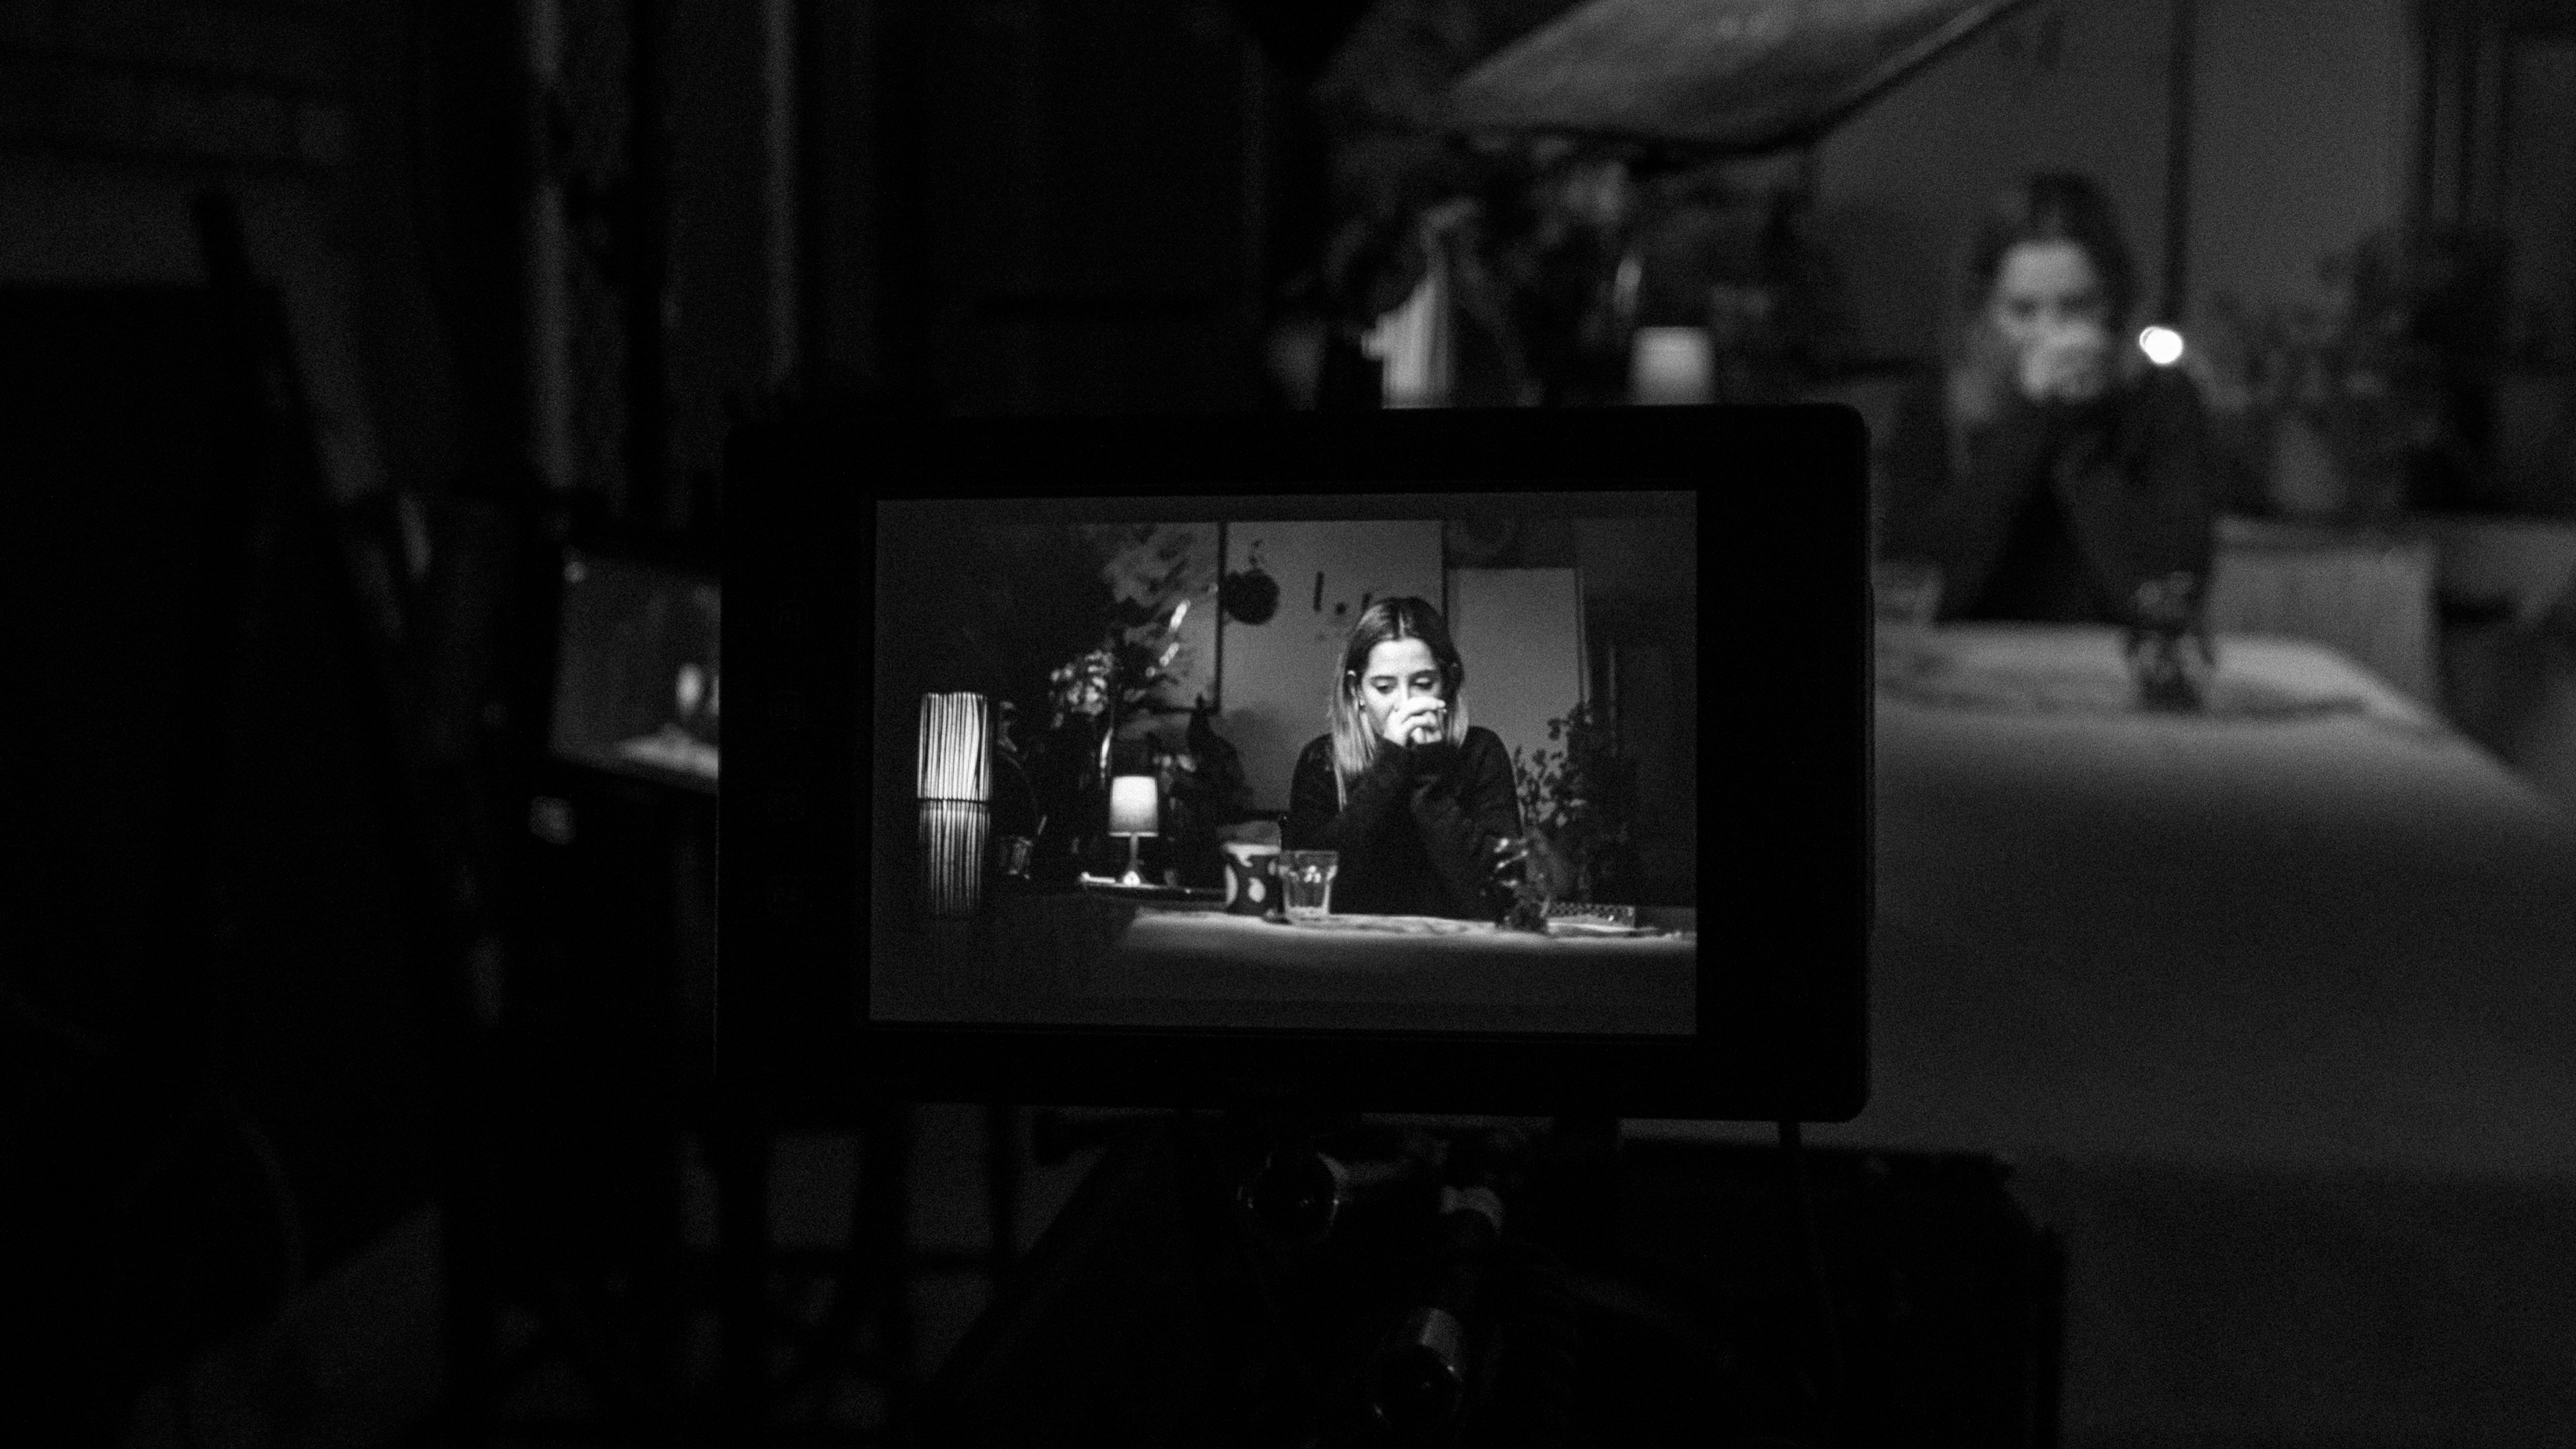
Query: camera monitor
{"points": [[1349, 760], [637, 683]]}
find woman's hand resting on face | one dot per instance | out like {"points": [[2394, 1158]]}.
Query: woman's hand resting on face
{"points": [[1415, 722], [2073, 363], [2070, 364]]}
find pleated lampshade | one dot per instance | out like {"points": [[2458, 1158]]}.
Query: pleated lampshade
{"points": [[954, 780], [956, 760]]}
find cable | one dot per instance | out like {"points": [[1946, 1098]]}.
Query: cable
{"points": [[285, 1207], [288, 1215], [33, 1013], [1534, 1366], [1837, 1380], [213, 1099]]}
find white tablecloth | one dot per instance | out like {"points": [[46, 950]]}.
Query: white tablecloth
{"points": [[2277, 1017], [2348, 936], [1212, 968], [2367, 597]]}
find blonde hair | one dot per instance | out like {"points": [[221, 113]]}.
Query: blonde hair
{"points": [[1355, 745]]}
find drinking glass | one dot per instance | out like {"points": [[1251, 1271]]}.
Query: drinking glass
{"points": [[1306, 880]]}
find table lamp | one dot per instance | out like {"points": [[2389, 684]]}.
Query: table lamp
{"points": [[1671, 365], [954, 780], [1132, 814]]}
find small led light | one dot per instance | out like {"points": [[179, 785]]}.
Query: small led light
{"points": [[2162, 345]]}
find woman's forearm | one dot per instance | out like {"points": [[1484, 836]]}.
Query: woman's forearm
{"points": [[1376, 793], [1320, 820], [1956, 482], [1457, 826], [2141, 496], [1453, 843]]}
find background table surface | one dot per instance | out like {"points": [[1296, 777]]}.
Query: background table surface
{"points": [[2276, 1021], [2342, 938]]}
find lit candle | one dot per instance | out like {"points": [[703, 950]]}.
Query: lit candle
{"points": [[1132, 805]]}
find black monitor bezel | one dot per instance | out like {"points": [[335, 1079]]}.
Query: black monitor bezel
{"points": [[1784, 577]]}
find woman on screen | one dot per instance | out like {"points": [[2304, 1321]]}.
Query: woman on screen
{"points": [[2060, 475], [1410, 794]]}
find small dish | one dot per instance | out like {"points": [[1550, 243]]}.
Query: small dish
{"points": [[1104, 886]]}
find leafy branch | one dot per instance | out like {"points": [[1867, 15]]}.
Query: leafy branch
{"points": [[1576, 797]]}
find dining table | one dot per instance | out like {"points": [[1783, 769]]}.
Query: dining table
{"points": [[2270, 1010], [2307, 921], [1086, 958]]}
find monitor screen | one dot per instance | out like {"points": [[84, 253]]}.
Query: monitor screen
{"points": [[1242, 766], [637, 680]]}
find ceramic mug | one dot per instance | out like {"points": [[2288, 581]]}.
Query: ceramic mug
{"points": [[1251, 879]]}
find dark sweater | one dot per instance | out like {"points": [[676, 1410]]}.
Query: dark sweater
{"points": [[1416, 837], [2055, 511]]}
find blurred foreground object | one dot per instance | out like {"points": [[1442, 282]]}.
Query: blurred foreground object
{"points": [[1740, 77], [1521, 187]]}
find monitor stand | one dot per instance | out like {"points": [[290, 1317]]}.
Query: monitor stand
{"points": [[1314, 1278]]}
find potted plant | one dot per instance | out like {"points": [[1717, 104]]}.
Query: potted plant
{"points": [[1575, 810], [2323, 405], [1102, 707]]}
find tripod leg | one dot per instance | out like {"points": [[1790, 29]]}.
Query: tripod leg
{"points": [[1002, 1186], [468, 1153], [885, 1250], [472, 1316], [739, 1149]]}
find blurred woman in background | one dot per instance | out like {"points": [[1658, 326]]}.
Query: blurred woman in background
{"points": [[2057, 475]]}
